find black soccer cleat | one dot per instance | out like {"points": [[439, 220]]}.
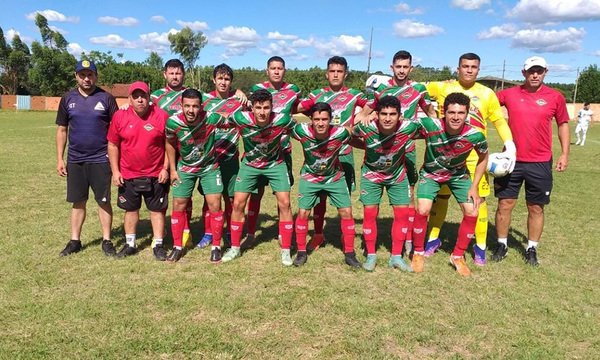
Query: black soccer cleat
{"points": [[350, 258], [300, 258], [73, 246], [159, 252], [126, 251], [108, 248], [215, 255], [174, 256], [531, 256], [500, 252]]}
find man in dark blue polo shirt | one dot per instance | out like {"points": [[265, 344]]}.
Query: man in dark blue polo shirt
{"points": [[83, 117]]}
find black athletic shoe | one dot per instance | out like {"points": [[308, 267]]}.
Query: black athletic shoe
{"points": [[531, 256], [300, 258], [126, 251], [351, 260], [215, 255], [174, 256], [500, 252], [159, 252], [73, 246], [108, 248]]}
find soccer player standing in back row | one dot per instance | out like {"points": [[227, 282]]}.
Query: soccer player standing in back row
{"points": [[484, 107], [285, 100]]}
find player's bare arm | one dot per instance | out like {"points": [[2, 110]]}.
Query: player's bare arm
{"points": [[564, 136], [113, 158], [170, 145], [61, 144]]}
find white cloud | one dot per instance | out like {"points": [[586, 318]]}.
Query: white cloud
{"points": [[113, 40], [408, 29], [498, 32], [158, 19], [280, 48], [343, 45], [52, 15], [75, 49], [195, 25], [126, 21], [544, 11], [236, 40], [148, 42], [470, 4], [404, 8], [10, 34], [58, 30], [279, 36], [554, 41], [303, 43], [377, 54], [596, 53]]}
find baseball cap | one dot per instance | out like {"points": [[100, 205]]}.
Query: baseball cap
{"points": [[139, 85], [85, 65], [535, 61]]}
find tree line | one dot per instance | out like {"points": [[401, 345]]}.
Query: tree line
{"points": [[47, 68]]}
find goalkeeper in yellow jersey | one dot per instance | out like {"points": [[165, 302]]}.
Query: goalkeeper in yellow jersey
{"points": [[484, 107]]}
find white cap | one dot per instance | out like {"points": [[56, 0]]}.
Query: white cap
{"points": [[535, 61]]}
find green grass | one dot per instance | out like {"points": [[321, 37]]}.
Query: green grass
{"points": [[88, 306]]}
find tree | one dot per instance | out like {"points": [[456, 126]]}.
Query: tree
{"points": [[588, 89], [52, 66], [14, 64], [188, 44], [154, 61]]}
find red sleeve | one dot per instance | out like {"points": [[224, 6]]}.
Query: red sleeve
{"points": [[113, 129], [562, 115], [501, 97], [308, 103]]}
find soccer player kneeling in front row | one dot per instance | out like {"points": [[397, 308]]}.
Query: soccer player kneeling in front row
{"points": [[385, 142], [322, 173], [449, 141]]}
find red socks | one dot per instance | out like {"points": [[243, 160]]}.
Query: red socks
{"points": [[286, 229], [419, 231], [253, 210], [411, 222], [349, 234], [399, 229], [319, 216], [178, 220], [370, 228], [188, 215], [466, 230], [206, 216], [236, 233], [216, 220], [301, 233]]}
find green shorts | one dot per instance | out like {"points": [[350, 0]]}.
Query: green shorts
{"points": [[229, 170], [428, 188], [348, 166], [309, 194], [287, 158], [410, 162], [371, 192], [249, 178], [210, 182]]}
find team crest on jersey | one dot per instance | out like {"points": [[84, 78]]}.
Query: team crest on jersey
{"points": [[99, 106], [406, 95], [541, 102], [148, 127], [282, 96]]}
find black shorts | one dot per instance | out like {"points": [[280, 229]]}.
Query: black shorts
{"points": [[82, 176], [538, 182], [156, 195]]}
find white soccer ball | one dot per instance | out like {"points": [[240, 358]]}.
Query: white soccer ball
{"points": [[498, 166]]}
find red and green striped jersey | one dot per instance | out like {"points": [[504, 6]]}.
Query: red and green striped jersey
{"points": [[262, 144], [445, 154], [196, 143], [384, 154], [344, 104], [167, 99], [321, 157], [227, 139]]}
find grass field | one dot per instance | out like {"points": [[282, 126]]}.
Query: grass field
{"points": [[88, 306]]}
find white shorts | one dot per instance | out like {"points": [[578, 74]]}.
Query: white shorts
{"points": [[582, 128]]}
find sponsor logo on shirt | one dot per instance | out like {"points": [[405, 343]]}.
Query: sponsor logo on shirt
{"points": [[148, 127], [541, 102], [99, 106]]}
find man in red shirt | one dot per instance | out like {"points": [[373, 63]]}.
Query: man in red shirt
{"points": [[531, 108], [136, 152]]}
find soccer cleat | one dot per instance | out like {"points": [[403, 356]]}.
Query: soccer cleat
{"points": [[248, 242], [159, 252], [408, 249], [500, 252], [126, 251], [286, 257], [479, 257], [370, 263], [577, 143], [396, 262], [432, 246], [231, 254], [174, 256], [531, 256], [73, 246], [205, 241], [300, 258], [108, 248], [186, 240], [350, 258], [316, 242], [418, 262], [460, 264], [215, 255]]}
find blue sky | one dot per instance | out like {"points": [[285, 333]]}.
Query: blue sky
{"points": [[306, 33]]}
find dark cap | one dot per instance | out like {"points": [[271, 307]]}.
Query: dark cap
{"points": [[86, 65]]}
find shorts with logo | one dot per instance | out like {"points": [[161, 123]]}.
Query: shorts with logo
{"points": [[538, 182], [410, 161], [287, 158], [249, 178], [155, 194], [429, 189], [229, 170], [309, 194], [484, 185], [210, 182], [82, 176], [348, 166], [372, 192]]}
